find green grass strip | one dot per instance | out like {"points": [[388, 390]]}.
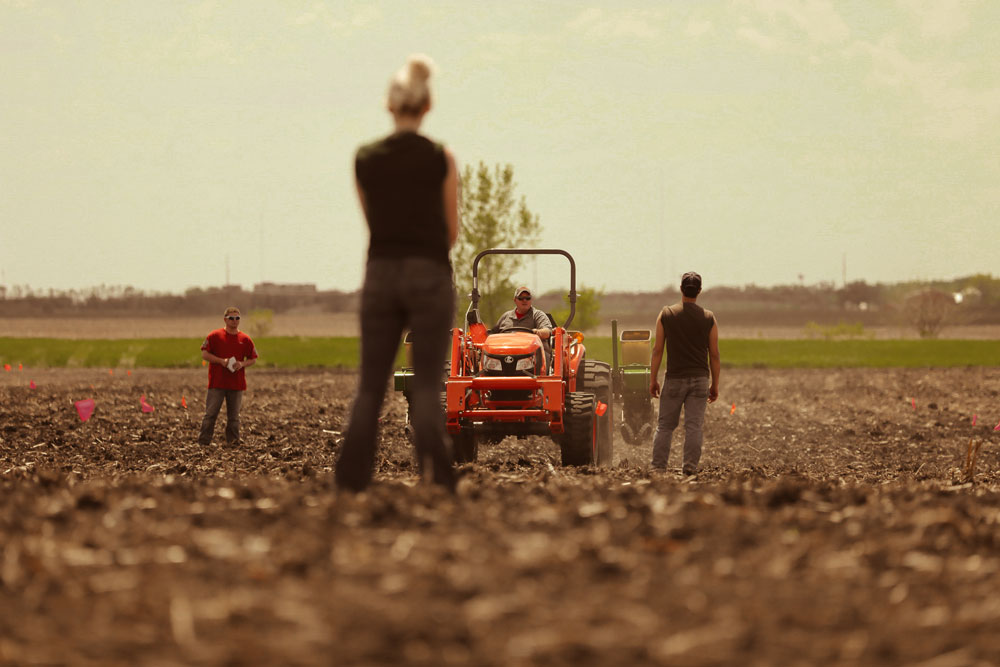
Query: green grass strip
{"points": [[808, 353], [282, 352], [295, 352], [859, 353]]}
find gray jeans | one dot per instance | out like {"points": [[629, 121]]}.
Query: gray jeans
{"points": [[692, 395], [213, 403], [398, 293]]}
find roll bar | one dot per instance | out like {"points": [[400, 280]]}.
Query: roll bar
{"points": [[474, 295]]}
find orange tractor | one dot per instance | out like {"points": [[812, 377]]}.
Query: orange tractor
{"points": [[512, 383]]}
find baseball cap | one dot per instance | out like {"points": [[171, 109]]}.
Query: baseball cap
{"points": [[691, 279], [521, 289], [690, 284]]}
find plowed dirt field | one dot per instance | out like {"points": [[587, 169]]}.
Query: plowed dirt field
{"points": [[831, 523]]}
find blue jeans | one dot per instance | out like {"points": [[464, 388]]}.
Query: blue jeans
{"points": [[691, 394], [213, 403], [398, 293]]}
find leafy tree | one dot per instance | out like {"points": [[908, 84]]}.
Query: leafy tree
{"points": [[588, 305], [492, 217]]}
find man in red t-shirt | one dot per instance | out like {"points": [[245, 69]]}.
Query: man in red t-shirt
{"points": [[228, 352]]}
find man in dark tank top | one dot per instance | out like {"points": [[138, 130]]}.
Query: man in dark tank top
{"points": [[690, 335]]}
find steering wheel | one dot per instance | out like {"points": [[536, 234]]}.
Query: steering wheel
{"points": [[525, 329]]}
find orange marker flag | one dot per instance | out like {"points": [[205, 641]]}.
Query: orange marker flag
{"points": [[111, 371], [184, 403], [973, 420], [203, 362], [128, 373], [913, 402], [6, 367], [732, 410], [31, 384], [600, 409], [20, 367], [146, 407]]}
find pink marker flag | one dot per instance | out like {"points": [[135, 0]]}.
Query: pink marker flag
{"points": [[600, 409], [31, 384], [973, 420], [85, 408], [997, 427], [146, 407], [913, 402]]}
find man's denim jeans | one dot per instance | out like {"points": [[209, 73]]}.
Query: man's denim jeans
{"points": [[692, 395], [397, 293], [213, 403]]}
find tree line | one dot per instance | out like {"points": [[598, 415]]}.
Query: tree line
{"points": [[972, 299], [115, 301], [494, 216]]}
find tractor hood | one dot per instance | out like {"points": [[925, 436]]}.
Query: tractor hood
{"points": [[513, 343]]}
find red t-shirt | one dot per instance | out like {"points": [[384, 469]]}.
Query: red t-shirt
{"points": [[225, 345]]}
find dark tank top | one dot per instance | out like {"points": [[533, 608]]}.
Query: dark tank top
{"points": [[401, 177], [686, 327]]}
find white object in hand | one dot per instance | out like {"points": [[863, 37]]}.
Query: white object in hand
{"points": [[231, 364]]}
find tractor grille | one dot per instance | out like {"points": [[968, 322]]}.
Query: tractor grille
{"points": [[508, 366]]}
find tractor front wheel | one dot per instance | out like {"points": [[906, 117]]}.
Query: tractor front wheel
{"points": [[465, 446], [580, 437]]}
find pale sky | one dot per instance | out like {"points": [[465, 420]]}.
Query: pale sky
{"points": [[755, 141]]}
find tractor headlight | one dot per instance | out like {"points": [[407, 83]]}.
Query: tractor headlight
{"points": [[492, 364], [526, 364]]}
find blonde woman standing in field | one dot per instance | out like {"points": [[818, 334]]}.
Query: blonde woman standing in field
{"points": [[408, 189]]}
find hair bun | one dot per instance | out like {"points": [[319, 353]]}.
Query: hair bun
{"points": [[409, 92], [421, 66]]}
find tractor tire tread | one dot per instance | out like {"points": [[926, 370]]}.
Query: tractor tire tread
{"points": [[577, 443]]}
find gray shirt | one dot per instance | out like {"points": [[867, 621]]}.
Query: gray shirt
{"points": [[533, 319]]}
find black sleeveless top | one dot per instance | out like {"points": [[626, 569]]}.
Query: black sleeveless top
{"points": [[401, 177], [687, 327]]}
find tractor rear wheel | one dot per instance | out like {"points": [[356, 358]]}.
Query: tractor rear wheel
{"points": [[579, 439], [597, 380]]}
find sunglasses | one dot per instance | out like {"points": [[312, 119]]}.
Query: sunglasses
{"points": [[233, 318], [524, 298]]}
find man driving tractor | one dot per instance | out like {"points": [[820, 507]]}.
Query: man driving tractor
{"points": [[524, 316]]}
